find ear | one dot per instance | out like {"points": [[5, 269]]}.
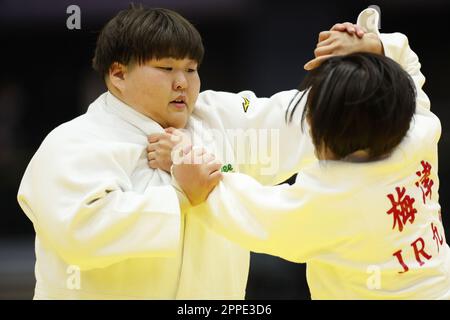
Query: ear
{"points": [[117, 73]]}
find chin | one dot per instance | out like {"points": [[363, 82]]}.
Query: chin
{"points": [[178, 124]]}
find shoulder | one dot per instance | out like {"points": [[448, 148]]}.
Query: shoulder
{"points": [[75, 130], [425, 127], [86, 135], [211, 97], [226, 100]]}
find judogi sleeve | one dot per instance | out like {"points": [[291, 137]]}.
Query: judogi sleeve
{"points": [[280, 149], [292, 222], [75, 194], [284, 220], [273, 148], [396, 46]]}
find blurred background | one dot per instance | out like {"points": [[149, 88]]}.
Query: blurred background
{"points": [[46, 79]]}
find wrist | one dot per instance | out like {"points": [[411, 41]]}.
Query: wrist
{"points": [[373, 44]]}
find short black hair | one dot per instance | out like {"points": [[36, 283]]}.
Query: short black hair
{"points": [[360, 101], [138, 34]]}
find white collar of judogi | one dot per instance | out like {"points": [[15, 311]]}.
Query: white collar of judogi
{"points": [[127, 113]]}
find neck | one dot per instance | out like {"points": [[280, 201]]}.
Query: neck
{"points": [[358, 156]]}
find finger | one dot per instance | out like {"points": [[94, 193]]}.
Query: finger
{"points": [[177, 132], [344, 27], [181, 137], [169, 130], [151, 155], [349, 27], [326, 42], [191, 158], [154, 137], [187, 149], [215, 178], [208, 157], [166, 136], [338, 27], [186, 159], [153, 164], [152, 147], [359, 31], [173, 134], [314, 63], [213, 166], [159, 146], [199, 151], [175, 138], [326, 50], [324, 35]]}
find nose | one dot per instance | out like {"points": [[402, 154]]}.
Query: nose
{"points": [[180, 82]]}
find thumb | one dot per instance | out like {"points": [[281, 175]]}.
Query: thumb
{"points": [[314, 63], [169, 130], [187, 149]]}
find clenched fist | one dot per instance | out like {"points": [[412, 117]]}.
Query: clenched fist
{"points": [[197, 174], [162, 146], [341, 41]]}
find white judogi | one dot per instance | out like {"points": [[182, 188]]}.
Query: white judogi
{"points": [[354, 224], [98, 209]]}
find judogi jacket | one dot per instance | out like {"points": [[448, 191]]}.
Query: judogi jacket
{"points": [[368, 230], [109, 227]]}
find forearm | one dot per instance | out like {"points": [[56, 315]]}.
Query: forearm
{"points": [[273, 220], [116, 226], [396, 47]]}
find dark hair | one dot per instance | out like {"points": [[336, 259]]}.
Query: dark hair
{"points": [[361, 101], [138, 34]]}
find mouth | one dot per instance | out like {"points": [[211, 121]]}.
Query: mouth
{"points": [[179, 103]]}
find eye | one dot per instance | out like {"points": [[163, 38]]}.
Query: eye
{"points": [[165, 68], [191, 70]]}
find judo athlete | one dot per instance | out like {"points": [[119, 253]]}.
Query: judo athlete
{"points": [[365, 217], [107, 226]]}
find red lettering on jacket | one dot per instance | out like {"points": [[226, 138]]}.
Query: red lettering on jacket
{"points": [[402, 209], [421, 251]]}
